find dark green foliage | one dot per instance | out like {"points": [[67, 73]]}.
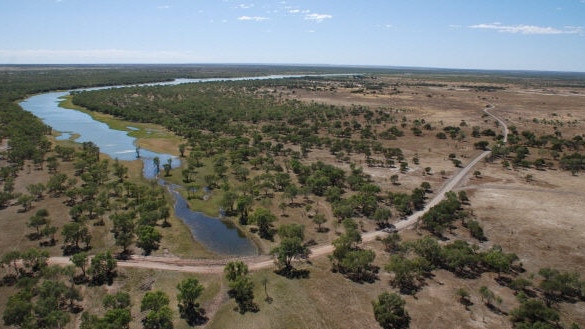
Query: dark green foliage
{"points": [[476, 230], [533, 313], [574, 162], [558, 285], [263, 218], [148, 238], [389, 311], [102, 268], [439, 217], [159, 314], [189, 291], [242, 287]]}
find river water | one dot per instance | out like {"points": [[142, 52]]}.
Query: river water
{"points": [[218, 236]]}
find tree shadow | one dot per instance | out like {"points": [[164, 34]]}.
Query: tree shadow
{"points": [[194, 316], [70, 250], [293, 273]]}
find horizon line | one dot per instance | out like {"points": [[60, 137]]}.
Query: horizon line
{"points": [[370, 66]]}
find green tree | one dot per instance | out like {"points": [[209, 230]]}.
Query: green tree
{"points": [[182, 148], [463, 295], [389, 311], [123, 230], [235, 269], [167, 167], [80, 260], [74, 233], [392, 242], [241, 287], [102, 268], [148, 238], [189, 291], [533, 313], [118, 300], [319, 219], [25, 201], [18, 310], [405, 272], [356, 264], [263, 218], [39, 219], [159, 314], [381, 216], [242, 290], [291, 246]]}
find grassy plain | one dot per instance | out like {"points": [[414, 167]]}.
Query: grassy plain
{"points": [[539, 219]]}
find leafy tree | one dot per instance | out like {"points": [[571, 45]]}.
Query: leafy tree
{"points": [[476, 230], [405, 272], [36, 190], [80, 260], [389, 311], [557, 285], [148, 238], [182, 148], [356, 264], [25, 201], [18, 310], [241, 287], [74, 233], [497, 260], [381, 216], [35, 259], [102, 268], [319, 219], [263, 218], [189, 291], [123, 229], [243, 205], [392, 242], [394, 179], [291, 246], [39, 219], [463, 295], [118, 300], [487, 295], [242, 290], [117, 314], [167, 167], [10, 259], [159, 314], [533, 313]]}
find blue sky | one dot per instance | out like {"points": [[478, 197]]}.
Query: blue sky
{"points": [[469, 34]]}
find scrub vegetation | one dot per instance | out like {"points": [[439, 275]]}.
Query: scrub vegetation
{"points": [[296, 162]]}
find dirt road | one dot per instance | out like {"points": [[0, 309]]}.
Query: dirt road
{"points": [[260, 262]]}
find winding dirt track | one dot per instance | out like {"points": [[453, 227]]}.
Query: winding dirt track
{"points": [[260, 262]]}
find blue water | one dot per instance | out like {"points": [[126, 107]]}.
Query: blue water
{"points": [[221, 237]]}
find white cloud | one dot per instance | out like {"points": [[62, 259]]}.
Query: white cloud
{"points": [[298, 11], [164, 7], [252, 18], [317, 17], [529, 29], [245, 6]]}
